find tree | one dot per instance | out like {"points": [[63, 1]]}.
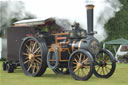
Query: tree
{"points": [[10, 12], [117, 27]]}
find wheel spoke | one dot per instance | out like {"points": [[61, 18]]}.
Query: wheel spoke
{"points": [[84, 57], [103, 70], [27, 58], [96, 66], [36, 55], [26, 61], [34, 67], [37, 61], [74, 63], [106, 69], [98, 58], [34, 46], [28, 51], [85, 60], [98, 69], [29, 67], [25, 54], [76, 60], [37, 67], [103, 58], [83, 72], [36, 50], [107, 59], [76, 70], [74, 67], [28, 48], [39, 58], [31, 45], [86, 69], [80, 57], [28, 64]]}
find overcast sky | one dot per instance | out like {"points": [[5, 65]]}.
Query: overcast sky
{"points": [[74, 10]]}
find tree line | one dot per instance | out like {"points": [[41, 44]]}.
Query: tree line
{"points": [[117, 27]]}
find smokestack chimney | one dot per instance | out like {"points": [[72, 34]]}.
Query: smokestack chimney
{"points": [[90, 18]]}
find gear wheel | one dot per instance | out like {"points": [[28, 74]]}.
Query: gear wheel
{"points": [[53, 59]]}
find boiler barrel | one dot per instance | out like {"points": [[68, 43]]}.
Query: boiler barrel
{"points": [[75, 45]]}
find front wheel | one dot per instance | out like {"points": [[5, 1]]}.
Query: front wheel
{"points": [[105, 64], [81, 65]]}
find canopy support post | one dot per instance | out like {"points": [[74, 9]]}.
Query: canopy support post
{"points": [[104, 46]]}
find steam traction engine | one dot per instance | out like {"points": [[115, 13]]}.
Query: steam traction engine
{"points": [[76, 52]]}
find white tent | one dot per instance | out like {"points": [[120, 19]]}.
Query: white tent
{"points": [[121, 42]]}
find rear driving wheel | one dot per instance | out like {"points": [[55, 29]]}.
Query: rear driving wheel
{"points": [[104, 64], [81, 65], [33, 54]]}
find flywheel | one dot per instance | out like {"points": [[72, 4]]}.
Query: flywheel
{"points": [[53, 59]]}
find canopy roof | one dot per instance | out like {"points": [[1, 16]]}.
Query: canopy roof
{"points": [[120, 41], [35, 22]]}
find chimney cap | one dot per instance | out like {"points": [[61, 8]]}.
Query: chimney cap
{"points": [[90, 6]]}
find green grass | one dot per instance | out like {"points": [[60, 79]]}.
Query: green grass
{"points": [[120, 77]]}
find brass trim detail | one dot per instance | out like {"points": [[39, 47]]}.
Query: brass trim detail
{"points": [[66, 33], [73, 45], [57, 36], [79, 44]]}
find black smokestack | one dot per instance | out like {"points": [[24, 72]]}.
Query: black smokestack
{"points": [[90, 18]]}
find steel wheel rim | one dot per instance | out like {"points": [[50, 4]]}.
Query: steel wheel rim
{"points": [[80, 65], [31, 56], [103, 64]]}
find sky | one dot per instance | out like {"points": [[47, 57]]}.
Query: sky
{"points": [[75, 10]]}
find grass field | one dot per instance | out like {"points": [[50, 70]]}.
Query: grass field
{"points": [[120, 77]]}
